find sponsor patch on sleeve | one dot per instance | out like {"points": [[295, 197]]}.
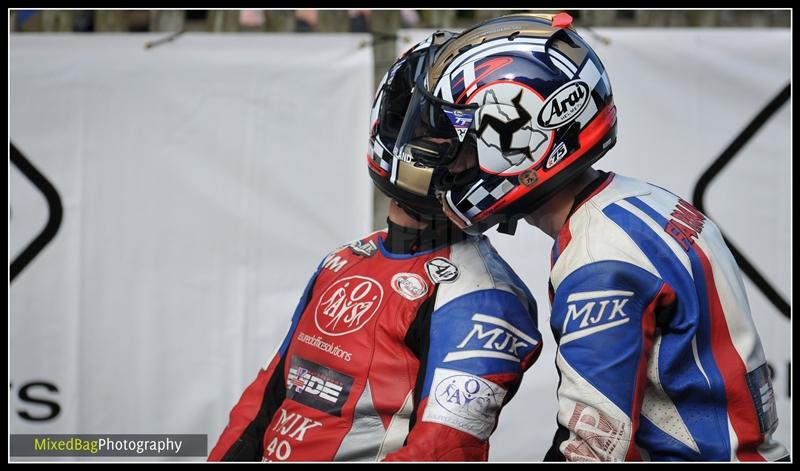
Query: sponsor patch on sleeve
{"points": [[763, 398], [594, 436], [464, 402], [492, 337]]}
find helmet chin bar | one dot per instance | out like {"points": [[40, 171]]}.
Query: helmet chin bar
{"points": [[419, 208]]}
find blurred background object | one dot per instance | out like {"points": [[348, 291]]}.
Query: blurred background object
{"points": [[358, 20]]}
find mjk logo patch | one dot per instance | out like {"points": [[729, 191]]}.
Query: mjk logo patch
{"points": [[589, 312]]}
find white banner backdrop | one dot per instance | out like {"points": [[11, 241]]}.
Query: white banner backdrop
{"points": [[202, 181], [682, 95]]}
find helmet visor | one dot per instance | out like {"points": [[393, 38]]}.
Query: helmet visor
{"points": [[399, 85], [396, 95], [433, 129]]}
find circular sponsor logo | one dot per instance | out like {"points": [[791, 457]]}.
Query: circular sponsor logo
{"points": [[348, 305], [409, 285], [467, 396], [441, 270]]}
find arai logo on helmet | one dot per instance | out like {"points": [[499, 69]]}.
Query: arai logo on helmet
{"points": [[564, 105]]}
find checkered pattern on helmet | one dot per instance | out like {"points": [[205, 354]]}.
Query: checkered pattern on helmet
{"points": [[381, 155], [484, 195]]}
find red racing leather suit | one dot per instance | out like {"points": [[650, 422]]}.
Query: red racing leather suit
{"points": [[391, 356]]}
